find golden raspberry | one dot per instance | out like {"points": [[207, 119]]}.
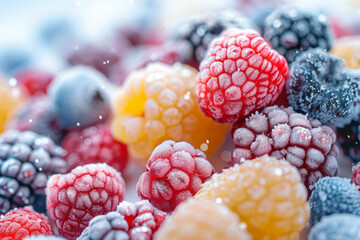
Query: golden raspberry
{"points": [[11, 98], [348, 48], [158, 103], [266, 193], [202, 220]]}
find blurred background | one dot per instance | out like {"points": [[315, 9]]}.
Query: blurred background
{"points": [[34, 33]]}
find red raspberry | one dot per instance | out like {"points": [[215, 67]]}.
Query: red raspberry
{"points": [[94, 144], [174, 173], [35, 81], [141, 215], [285, 134], [356, 174], [240, 74], [24, 222], [73, 199]]}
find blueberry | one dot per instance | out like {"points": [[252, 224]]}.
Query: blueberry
{"points": [[333, 195], [80, 98]]}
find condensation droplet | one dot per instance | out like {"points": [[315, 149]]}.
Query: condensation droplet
{"points": [[204, 147], [78, 124], [226, 156]]}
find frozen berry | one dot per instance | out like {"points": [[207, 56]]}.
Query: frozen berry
{"points": [[355, 178], [266, 193], [333, 195], [348, 48], [37, 115], [336, 227], [24, 222], [320, 87], [94, 144], [11, 98], [240, 74], [102, 58], [111, 226], [291, 31], [285, 134], [43, 237], [194, 37], [202, 220], [349, 140], [26, 161], [174, 173], [35, 81], [157, 103], [73, 199], [141, 214], [80, 97]]}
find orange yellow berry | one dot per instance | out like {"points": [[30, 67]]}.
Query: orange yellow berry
{"points": [[266, 193], [158, 103]]}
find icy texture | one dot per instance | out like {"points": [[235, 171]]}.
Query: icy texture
{"points": [[24, 222], [291, 31], [202, 220], [320, 87], [92, 145], [239, 74], [174, 173], [337, 227], [157, 103], [26, 161], [103, 227], [88, 89], [195, 36], [333, 195], [73, 199], [285, 134], [45, 238], [266, 193]]}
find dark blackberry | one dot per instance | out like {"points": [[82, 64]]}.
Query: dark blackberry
{"points": [[26, 161], [291, 31], [321, 87], [103, 227], [349, 140], [195, 35], [333, 195]]}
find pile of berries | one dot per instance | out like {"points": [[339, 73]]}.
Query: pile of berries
{"points": [[70, 140]]}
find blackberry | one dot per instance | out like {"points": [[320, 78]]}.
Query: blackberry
{"points": [[291, 31], [337, 227], [349, 140], [195, 35], [109, 226], [333, 195], [26, 161], [321, 87]]}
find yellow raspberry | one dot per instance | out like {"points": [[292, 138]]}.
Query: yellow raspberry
{"points": [[266, 193], [158, 103], [348, 48], [202, 220], [11, 98]]}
